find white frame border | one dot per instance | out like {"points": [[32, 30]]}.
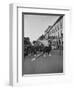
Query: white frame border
{"points": [[15, 46]]}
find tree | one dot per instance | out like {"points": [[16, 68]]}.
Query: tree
{"points": [[27, 41]]}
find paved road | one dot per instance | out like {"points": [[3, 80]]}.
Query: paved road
{"points": [[48, 64]]}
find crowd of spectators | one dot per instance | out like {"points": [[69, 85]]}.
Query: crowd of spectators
{"points": [[33, 48]]}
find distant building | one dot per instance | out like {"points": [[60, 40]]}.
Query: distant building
{"points": [[47, 31]]}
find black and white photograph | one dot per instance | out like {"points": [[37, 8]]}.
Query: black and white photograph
{"points": [[42, 43], [39, 45]]}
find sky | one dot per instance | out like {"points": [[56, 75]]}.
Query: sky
{"points": [[35, 25]]}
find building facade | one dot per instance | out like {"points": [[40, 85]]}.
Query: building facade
{"points": [[55, 32]]}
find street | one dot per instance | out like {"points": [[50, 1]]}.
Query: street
{"points": [[47, 64]]}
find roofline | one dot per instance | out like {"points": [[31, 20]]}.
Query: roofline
{"points": [[55, 22]]}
